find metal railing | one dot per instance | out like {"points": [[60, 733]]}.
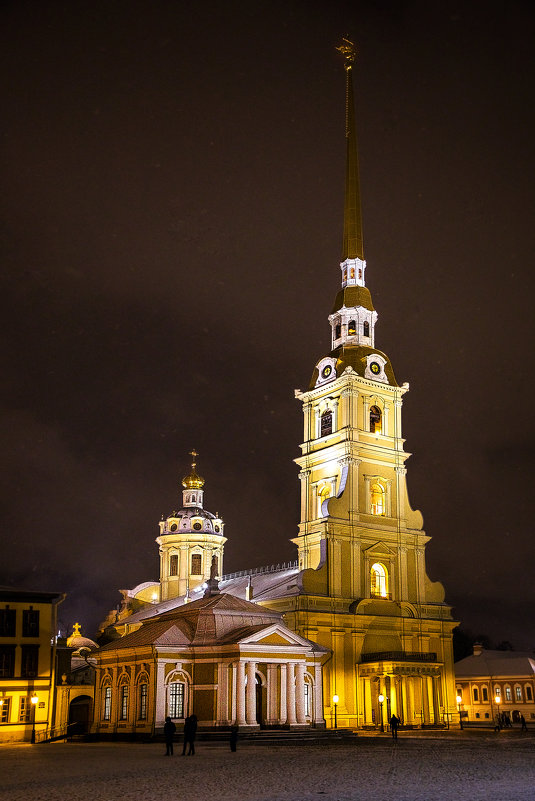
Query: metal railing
{"points": [[399, 656], [255, 571]]}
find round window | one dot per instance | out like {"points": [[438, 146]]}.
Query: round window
{"points": [[216, 529], [173, 527], [197, 526]]}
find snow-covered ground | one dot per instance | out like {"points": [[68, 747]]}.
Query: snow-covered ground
{"points": [[459, 767]]}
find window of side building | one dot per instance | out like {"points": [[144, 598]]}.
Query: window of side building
{"points": [[30, 622], [5, 710], [7, 661], [8, 622], [29, 661]]}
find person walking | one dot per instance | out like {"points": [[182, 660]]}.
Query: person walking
{"points": [[394, 723], [169, 730], [190, 730], [523, 722], [233, 737]]}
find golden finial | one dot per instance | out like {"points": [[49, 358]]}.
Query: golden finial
{"points": [[349, 52], [193, 481]]}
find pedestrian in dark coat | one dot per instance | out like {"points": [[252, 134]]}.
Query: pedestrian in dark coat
{"points": [[233, 737], [394, 723], [190, 730], [169, 730], [523, 722]]}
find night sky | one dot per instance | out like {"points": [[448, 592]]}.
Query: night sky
{"points": [[172, 194]]}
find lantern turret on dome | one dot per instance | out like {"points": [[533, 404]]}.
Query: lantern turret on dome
{"points": [[189, 540]]}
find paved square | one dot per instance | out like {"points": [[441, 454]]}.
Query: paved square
{"points": [[418, 768]]}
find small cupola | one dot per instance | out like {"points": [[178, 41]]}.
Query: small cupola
{"points": [[193, 485]]}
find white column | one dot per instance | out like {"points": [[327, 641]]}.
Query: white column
{"points": [[161, 689], [290, 694], [251, 694], [283, 714], [272, 716], [318, 694], [300, 692], [240, 694]]}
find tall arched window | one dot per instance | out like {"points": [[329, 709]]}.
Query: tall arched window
{"points": [[106, 702], [173, 565], [351, 328], [323, 494], [326, 423], [379, 580], [337, 331], [366, 328], [176, 700], [124, 697], [376, 422], [196, 564], [377, 500]]}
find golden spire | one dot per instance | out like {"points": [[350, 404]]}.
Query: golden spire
{"points": [[193, 481], [353, 245]]}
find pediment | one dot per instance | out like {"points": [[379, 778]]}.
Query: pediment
{"points": [[276, 634], [378, 549]]}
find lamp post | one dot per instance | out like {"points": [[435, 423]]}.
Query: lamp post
{"points": [[335, 704], [381, 699], [459, 701], [34, 699], [497, 701]]}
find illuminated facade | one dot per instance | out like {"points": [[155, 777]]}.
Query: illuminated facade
{"points": [[28, 626], [359, 588], [491, 683]]}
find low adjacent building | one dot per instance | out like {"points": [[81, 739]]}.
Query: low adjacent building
{"points": [[28, 627], [223, 658], [491, 683]]}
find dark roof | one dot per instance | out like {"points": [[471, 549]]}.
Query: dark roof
{"points": [[354, 356], [34, 596], [351, 297]]}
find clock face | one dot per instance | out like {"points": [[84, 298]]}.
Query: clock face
{"points": [[375, 367], [173, 527], [326, 372], [197, 526], [216, 529]]}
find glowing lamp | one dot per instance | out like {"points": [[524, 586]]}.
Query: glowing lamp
{"points": [[381, 698], [498, 699], [459, 699], [34, 699], [335, 699]]}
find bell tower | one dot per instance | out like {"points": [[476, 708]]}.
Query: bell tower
{"points": [[191, 541], [364, 591]]}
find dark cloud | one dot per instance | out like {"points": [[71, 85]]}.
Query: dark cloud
{"points": [[172, 181]]}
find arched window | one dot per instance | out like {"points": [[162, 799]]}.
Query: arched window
{"points": [[484, 693], [529, 694], [377, 499], [351, 328], [173, 565], [337, 331], [323, 494], [518, 693], [475, 693], [366, 328], [379, 581], [124, 697], [196, 564], [176, 699], [106, 702], [376, 423], [142, 696], [326, 423], [508, 693]]}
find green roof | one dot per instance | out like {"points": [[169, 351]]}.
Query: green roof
{"points": [[351, 297]]}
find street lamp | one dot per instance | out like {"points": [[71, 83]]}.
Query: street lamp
{"points": [[34, 699], [459, 701], [497, 701], [381, 699], [335, 704]]}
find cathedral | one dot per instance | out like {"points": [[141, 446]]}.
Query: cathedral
{"points": [[353, 631]]}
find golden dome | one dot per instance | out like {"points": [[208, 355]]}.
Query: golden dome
{"points": [[193, 481]]}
